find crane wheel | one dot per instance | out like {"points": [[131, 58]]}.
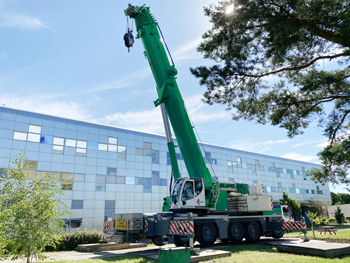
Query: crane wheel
{"points": [[206, 234], [235, 232], [277, 234], [252, 232]]}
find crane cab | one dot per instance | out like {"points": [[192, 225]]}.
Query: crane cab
{"points": [[188, 193]]}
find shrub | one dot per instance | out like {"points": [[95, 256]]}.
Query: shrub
{"points": [[331, 220], [339, 216], [70, 240], [323, 221], [317, 221]]}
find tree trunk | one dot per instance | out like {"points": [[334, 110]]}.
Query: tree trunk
{"points": [[312, 227]]}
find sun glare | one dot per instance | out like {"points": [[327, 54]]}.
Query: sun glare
{"points": [[229, 9]]}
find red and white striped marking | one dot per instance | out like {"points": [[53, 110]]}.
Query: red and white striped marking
{"points": [[108, 226], [181, 228], [293, 226], [271, 203], [146, 226]]}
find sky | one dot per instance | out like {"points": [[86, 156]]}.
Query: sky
{"points": [[68, 59]]}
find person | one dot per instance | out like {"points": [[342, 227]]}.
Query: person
{"points": [[188, 191]]}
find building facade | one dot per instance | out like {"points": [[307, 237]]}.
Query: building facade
{"points": [[104, 170]]}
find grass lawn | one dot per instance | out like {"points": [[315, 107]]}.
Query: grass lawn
{"points": [[240, 253], [343, 232]]}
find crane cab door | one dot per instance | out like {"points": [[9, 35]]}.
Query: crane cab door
{"points": [[190, 194]]}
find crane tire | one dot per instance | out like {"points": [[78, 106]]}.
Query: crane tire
{"points": [[206, 234], [252, 232], [235, 232]]}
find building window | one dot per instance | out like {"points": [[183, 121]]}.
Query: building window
{"points": [[80, 152], [30, 174], [34, 128], [112, 140], [208, 159], [71, 143], [100, 183], [102, 147], [110, 179], [303, 172], [155, 178], [120, 179], [109, 208], [130, 180], [112, 148], [255, 181], [33, 137], [81, 144], [58, 145], [111, 170], [122, 153], [230, 179], [155, 157], [77, 204], [20, 136], [31, 165], [67, 181], [58, 141], [163, 182]]}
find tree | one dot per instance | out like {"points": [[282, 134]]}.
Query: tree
{"points": [[286, 39], [340, 198], [32, 212], [317, 207], [312, 216], [339, 216], [292, 203]]}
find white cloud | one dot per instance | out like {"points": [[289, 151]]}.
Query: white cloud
{"points": [[48, 105], [307, 143], [127, 81], [187, 51], [145, 121], [300, 157], [254, 146], [11, 20], [151, 120]]}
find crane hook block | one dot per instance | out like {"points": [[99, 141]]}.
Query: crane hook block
{"points": [[129, 39]]}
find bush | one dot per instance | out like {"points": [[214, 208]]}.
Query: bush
{"points": [[331, 220], [70, 240], [317, 221], [323, 221], [339, 216]]}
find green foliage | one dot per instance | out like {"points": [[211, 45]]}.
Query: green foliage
{"points": [[323, 221], [285, 39], [340, 198], [339, 216], [70, 240], [312, 216], [331, 220], [292, 203], [32, 218], [316, 206], [316, 221]]}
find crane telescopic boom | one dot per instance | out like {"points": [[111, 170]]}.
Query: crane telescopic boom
{"points": [[169, 95]]}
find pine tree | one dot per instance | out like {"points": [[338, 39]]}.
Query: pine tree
{"points": [[286, 39]]}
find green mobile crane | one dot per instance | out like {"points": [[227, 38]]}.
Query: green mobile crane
{"points": [[238, 208]]}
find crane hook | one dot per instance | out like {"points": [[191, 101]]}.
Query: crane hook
{"points": [[129, 39]]}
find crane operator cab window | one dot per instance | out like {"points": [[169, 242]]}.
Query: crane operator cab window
{"points": [[187, 192], [198, 187]]}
